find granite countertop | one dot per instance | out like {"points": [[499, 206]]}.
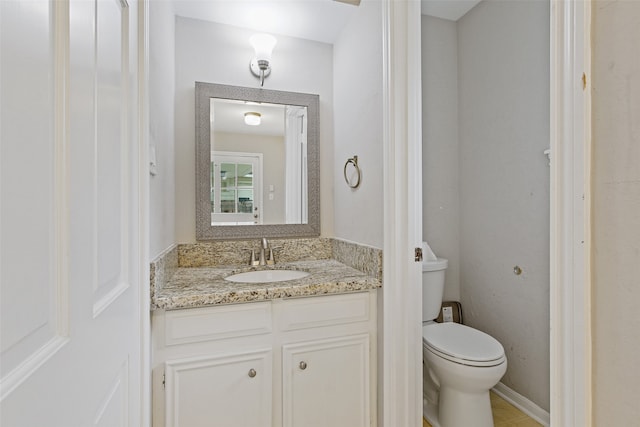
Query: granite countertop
{"points": [[191, 287]]}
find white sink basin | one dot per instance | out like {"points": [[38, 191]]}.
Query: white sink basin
{"points": [[266, 276]]}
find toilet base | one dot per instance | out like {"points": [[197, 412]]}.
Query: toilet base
{"points": [[477, 410], [457, 409], [430, 412]]}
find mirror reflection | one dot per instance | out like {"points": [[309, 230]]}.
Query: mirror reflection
{"points": [[257, 169], [258, 163]]}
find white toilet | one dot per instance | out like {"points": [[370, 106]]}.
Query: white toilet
{"points": [[461, 364]]}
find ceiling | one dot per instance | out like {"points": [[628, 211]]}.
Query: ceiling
{"points": [[319, 20], [229, 117], [447, 9]]}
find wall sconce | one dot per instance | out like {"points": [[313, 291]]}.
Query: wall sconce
{"points": [[252, 118], [263, 45]]}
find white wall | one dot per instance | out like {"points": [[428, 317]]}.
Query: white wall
{"points": [[217, 53], [503, 66], [616, 213], [161, 111], [358, 126], [440, 148]]}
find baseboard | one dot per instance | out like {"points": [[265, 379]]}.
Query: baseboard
{"points": [[523, 404]]}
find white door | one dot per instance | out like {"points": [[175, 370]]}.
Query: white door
{"points": [[70, 214], [236, 188], [296, 203]]}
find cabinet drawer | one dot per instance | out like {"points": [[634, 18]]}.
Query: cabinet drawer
{"points": [[214, 323], [324, 311]]}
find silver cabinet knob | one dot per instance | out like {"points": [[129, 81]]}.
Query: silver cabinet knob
{"points": [[252, 373], [303, 365]]}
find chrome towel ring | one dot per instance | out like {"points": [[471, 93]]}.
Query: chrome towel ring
{"points": [[353, 161]]}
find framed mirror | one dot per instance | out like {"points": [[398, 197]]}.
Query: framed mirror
{"points": [[257, 163]]}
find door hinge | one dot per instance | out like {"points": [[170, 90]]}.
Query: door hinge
{"points": [[418, 254], [164, 385]]}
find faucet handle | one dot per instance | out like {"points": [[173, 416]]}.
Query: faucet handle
{"points": [[253, 260], [272, 258]]}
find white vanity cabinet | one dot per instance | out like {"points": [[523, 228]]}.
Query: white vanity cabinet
{"points": [[295, 362]]}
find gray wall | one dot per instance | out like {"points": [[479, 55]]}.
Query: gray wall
{"points": [[503, 66], [485, 178], [616, 213], [440, 150], [217, 53], [161, 107], [358, 126]]}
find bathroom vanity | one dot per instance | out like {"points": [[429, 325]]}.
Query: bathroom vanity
{"points": [[290, 353]]}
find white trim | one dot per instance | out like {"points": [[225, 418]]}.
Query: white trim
{"points": [[119, 384], [522, 403], [402, 350], [570, 222], [101, 304], [144, 318], [27, 368], [62, 185]]}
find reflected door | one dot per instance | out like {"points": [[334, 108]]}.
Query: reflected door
{"points": [[236, 188]]}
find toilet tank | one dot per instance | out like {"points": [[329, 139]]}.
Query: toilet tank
{"points": [[432, 287]]}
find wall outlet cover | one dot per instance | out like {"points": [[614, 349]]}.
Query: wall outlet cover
{"points": [[447, 314]]}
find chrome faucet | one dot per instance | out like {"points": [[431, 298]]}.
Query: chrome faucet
{"points": [[263, 248], [266, 253], [265, 256]]}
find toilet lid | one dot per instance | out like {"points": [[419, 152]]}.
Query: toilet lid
{"points": [[462, 344]]}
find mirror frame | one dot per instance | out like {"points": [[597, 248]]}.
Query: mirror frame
{"points": [[204, 230]]}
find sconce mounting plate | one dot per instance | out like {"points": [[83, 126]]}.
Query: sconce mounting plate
{"points": [[255, 68]]}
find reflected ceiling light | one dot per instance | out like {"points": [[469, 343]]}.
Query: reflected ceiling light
{"points": [[252, 118], [263, 45]]}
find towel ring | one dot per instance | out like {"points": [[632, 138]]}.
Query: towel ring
{"points": [[353, 161]]}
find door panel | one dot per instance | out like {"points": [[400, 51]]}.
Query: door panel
{"points": [[111, 161], [70, 211], [30, 197], [232, 390]]}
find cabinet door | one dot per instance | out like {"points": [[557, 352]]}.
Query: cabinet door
{"points": [[232, 390], [326, 383]]}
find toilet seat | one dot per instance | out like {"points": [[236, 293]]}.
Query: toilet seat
{"points": [[462, 344]]}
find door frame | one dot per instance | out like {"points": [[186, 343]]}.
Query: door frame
{"points": [[258, 190], [570, 222], [144, 398], [400, 387], [400, 391]]}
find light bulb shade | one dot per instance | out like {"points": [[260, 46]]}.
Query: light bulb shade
{"points": [[263, 45], [252, 118]]}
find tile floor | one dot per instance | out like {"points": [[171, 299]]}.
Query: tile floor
{"points": [[505, 415]]}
